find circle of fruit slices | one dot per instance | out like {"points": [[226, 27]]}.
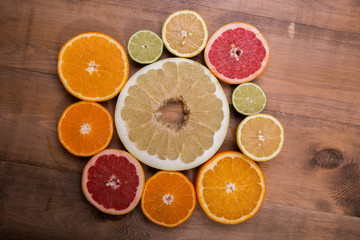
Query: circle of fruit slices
{"points": [[248, 98], [237, 53], [185, 33], [172, 114], [260, 136], [112, 181], [230, 187], [145, 47], [168, 199], [93, 66], [85, 128]]}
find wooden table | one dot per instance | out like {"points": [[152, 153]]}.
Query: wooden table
{"points": [[312, 84]]}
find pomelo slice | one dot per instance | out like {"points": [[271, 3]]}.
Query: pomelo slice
{"points": [[237, 53], [113, 181], [172, 114]]}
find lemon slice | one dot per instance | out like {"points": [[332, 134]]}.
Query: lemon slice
{"points": [[172, 114], [185, 33], [260, 136], [145, 47]]}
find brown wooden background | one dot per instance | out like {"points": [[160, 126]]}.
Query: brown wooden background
{"points": [[313, 88]]}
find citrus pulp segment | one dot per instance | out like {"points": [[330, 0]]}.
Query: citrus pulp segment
{"points": [[172, 114], [260, 136], [93, 66], [248, 98], [185, 33], [230, 187], [237, 53], [85, 128], [113, 181], [169, 198], [145, 47]]}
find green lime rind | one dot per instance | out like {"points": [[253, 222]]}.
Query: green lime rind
{"points": [[248, 99], [145, 47]]}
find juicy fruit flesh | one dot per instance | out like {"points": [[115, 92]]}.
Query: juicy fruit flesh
{"points": [[232, 189], [248, 99], [185, 33], [181, 83], [261, 137], [168, 198], [93, 72], [237, 53], [113, 182], [145, 47], [85, 133]]}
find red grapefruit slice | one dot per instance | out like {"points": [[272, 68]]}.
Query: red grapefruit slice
{"points": [[237, 53], [113, 181]]}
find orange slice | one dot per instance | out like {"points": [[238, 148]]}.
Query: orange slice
{"points": [[168, 198], [93, 66], [230, 187], [260, 137], [85, 128], [185, 33]]}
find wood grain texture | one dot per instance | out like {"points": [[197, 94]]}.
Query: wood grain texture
{"points": [[312, 84]]}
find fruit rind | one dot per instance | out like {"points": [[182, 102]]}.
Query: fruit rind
{"points": [[64, 80], [243, 149], [215, 36], [193, 194], [167, 45], [210, 165], [153, 160], [140, 173], [144, 62], [233, 98]]}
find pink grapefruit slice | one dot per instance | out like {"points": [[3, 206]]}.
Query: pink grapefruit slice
{"points": [[237, 53], [113, 181]]}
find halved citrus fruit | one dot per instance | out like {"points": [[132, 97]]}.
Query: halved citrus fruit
{"points": [[93, 66], [145, 47], [248, 98], [230, 187], [237, 53], [260, 136], [169, 198], [185, 33], [85, 128], [113, 181], [172, 114]]}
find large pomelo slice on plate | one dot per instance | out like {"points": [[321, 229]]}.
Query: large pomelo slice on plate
{"points": [[237, 53], [172, 114], [113, 181]]}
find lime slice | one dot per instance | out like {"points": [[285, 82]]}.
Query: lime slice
{"points": [[248, 99], [145, 47]]}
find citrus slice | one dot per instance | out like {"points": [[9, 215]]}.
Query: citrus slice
{"points": [[93, 66], [85, 128], [145, 47], [248, 99], [230, 187], [260, 137], [237, 53], [113, 181], [169, 198], [185, 33], [172, 114]]}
